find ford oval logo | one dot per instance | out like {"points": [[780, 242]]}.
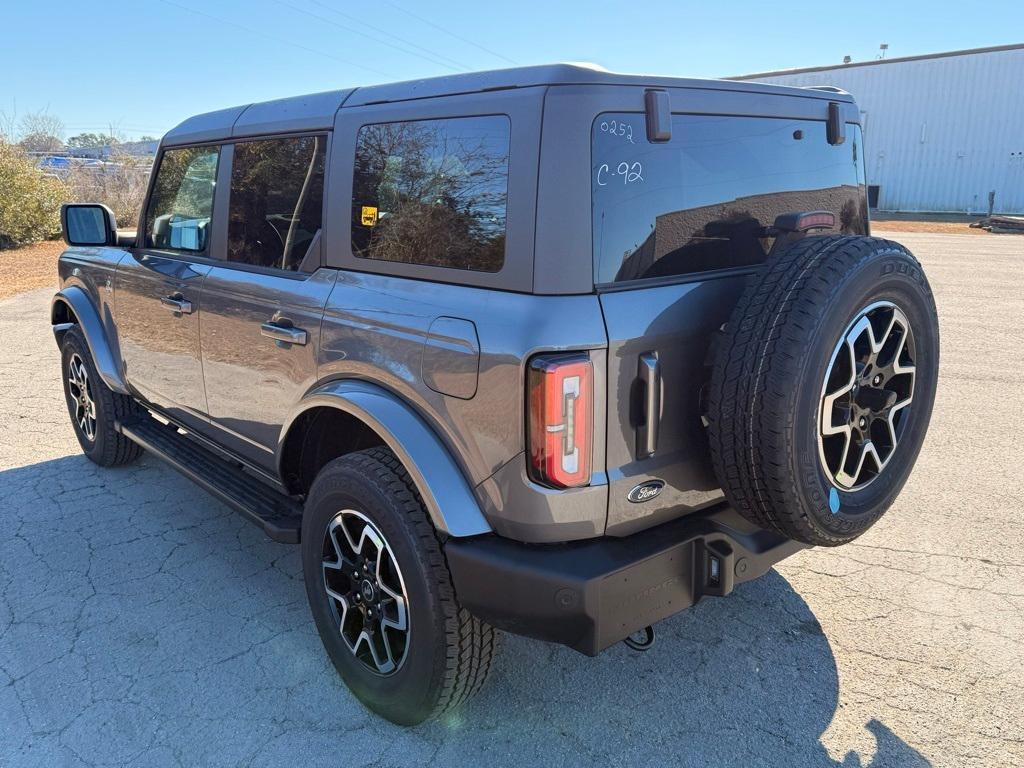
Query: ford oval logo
{"points": [[645, 491]]}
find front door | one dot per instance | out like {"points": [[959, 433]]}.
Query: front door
{"points": [[158, 292], [263, 305]]}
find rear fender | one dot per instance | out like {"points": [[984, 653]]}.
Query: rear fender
{"points": [[72, 306], [446, 494]]}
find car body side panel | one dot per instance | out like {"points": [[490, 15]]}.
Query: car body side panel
{"points": [[87, 287], [376, 328], [252, 381], [443, 487], [160, 347]]}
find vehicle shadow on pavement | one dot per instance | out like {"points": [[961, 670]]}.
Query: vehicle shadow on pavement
{"points": [[141, 621], [746, 680]]}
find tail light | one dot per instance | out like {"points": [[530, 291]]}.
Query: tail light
{"points": [[561, 419]]}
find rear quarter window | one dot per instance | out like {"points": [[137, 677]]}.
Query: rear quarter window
{"points": [[700, 201], [432, 192]]}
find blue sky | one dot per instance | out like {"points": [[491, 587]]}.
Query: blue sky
{"points": [[144, 65]]}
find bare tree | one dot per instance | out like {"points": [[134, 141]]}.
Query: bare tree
{"points": [[41, 132], [119, 183], [8, 127]]}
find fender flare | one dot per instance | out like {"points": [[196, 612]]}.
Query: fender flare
{"points": [[446, 494], [105, 356]]}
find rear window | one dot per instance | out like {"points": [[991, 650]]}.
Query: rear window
{"points": [[699, 201], [432, 192]]}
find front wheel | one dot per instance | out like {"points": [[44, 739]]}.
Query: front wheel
{"points": [[381, 594], [94, 408]]}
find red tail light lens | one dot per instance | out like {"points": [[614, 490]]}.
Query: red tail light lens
{"points": [[561, 419]]}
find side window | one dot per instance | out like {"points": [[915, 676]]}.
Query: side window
{"points": [[180, 208], [277, 201], [432, 192], [700, 202]]}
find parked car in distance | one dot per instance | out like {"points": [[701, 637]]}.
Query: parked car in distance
{"points": [[547, 350]]}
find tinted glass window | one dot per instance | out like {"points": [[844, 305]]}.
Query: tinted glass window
{"points": [[180, 208], [432, 192], [277, 201], [700, 201]]}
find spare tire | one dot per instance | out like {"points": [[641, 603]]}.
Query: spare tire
{"points": [[822, 387]]}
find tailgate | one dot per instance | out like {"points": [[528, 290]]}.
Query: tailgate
{"points": [[672, 326], [679, 223]]}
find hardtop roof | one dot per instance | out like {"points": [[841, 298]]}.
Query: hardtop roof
{"points": [[317, 111]]}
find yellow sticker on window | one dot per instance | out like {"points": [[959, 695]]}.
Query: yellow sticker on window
{"points": [[369, 217]]}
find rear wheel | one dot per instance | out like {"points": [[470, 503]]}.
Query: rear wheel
{"points": [[94, 408], [382, 596], [822, 387]]}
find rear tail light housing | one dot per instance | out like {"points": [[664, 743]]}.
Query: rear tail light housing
{"points": [[560, 419]]}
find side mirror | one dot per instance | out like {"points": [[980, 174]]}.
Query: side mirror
{"points": [[88, 224]]}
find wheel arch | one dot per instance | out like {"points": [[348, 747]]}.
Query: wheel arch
{"points": [[72, 306], [363, 415]]}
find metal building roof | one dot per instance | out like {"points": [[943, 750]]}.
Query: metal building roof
{"points": [[941, 132], [877, 62], [317, 111]]}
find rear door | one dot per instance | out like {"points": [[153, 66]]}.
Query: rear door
{"points": [[678, 226], [264, 302]]}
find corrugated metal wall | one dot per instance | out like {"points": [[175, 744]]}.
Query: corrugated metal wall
{"points": [[941, 133]]}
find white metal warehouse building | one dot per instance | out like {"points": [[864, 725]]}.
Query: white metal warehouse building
{"points": [[942, 132]]}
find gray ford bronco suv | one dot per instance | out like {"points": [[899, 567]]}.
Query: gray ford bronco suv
{"points": [[547, 350]]}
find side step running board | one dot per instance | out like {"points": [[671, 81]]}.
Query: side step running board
{"points": [[279, 516]]}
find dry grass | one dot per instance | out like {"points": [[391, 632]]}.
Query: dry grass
{"points": [[29, 267]]}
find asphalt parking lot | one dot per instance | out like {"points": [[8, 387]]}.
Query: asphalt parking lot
{"points": [[143, 623]]}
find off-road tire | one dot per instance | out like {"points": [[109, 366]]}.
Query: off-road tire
{"points": [[449, 651], [108, 447], [766, 387]]}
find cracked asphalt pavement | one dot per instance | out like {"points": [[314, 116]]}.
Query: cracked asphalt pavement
{"points": [[143, 623]]}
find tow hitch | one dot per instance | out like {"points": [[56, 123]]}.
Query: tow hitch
{"points": [[592, 594], [641, 645]]}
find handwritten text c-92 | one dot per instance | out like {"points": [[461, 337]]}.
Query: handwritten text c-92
{"points": [[630, 173]]}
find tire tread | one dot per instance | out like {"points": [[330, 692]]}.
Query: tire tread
{"points": [[471, 644], [751, 400], [113, 407]]}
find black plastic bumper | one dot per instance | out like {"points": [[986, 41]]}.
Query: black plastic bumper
{"points": [[589, 595]]}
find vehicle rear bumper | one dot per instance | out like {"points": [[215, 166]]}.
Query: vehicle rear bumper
{"points": [[589, 595]]}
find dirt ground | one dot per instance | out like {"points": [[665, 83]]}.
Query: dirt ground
{"points": [[29, 267], [950, 223]]}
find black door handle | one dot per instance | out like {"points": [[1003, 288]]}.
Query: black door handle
{"points": [[647, 432]]}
